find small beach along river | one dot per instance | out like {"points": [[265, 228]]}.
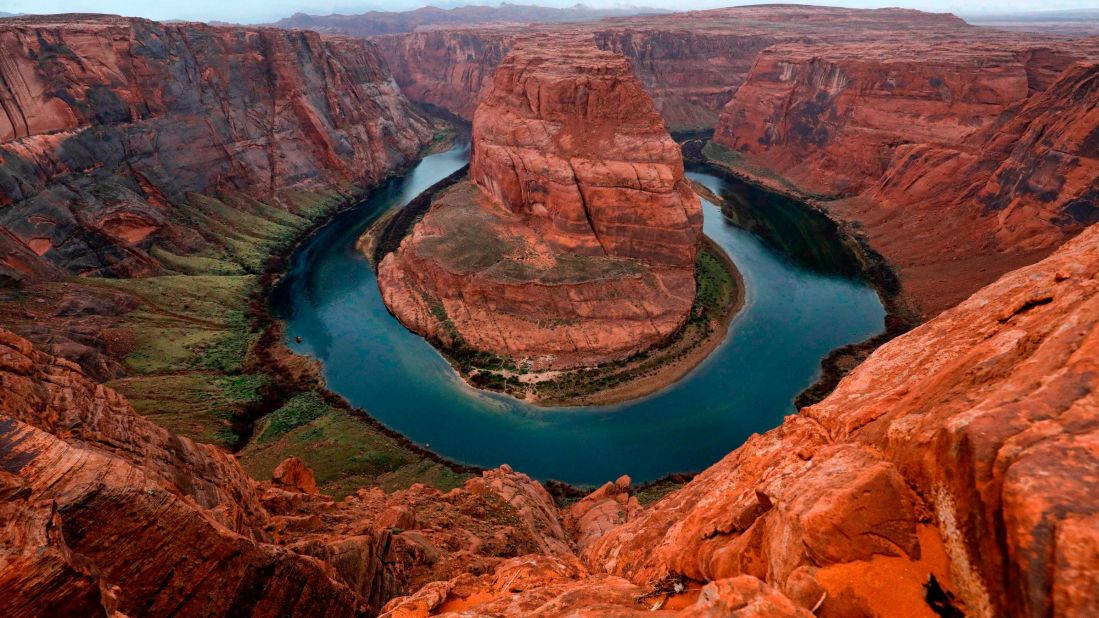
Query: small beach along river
{"points": [[803, 300]]}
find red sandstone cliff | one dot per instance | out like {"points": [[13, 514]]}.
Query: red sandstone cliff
{"points": [[690, 63], [965, 449], [578, 243], [105, 511], [445, 69], [962, 160], [109, 126]]}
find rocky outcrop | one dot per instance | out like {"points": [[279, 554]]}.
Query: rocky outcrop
{"points": [[955, 466], [964, 450], [600, 511], [937, 154], [953, 469], [575, 242], [130, 511], [111, 126], [106, 512]]}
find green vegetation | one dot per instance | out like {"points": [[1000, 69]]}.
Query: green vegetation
{"points": [[198, 405], [345, 453], [300, 410], [651, 492], [193, 362], [738, 163]]}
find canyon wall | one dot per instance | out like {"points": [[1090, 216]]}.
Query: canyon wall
{"points": [[899, 119], [576, 242], [110, 126], [690, 63], [964, 450], [106, 512], [961, 160], [446, 69]]}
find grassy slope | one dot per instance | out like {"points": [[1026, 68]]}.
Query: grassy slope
{"points": [[191, 350]]}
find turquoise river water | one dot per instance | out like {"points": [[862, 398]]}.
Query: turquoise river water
{"points": [[804, 298]]}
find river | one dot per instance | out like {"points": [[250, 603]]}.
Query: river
{"points": [[804, 298]]}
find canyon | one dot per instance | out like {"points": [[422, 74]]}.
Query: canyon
{"points": [[574, 241], [846, 108], [163, 452], [959, 459], [428, 17], [151, 175]]}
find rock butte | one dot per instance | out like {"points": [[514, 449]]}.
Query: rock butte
{"points": [[965, 449], [574, 241]]}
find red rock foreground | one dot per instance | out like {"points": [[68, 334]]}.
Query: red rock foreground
{"points": [[575, 241], [967, 449]]}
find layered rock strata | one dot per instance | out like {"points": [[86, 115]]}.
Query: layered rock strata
{"points": [[106, 512], [111, 126], [960, 167], [964, 450], [574, 243], [873, 110], [690, 63]]}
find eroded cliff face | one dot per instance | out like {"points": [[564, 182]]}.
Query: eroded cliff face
{"points": [[111, 127], [962, 161], [446, 69], [106, 511], [965, 449], [575, 243], [690, 63]]}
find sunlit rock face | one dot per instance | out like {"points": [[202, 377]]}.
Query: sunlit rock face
{"points": [[964, 449], [574, 243]]}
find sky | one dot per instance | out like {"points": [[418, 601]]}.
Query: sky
{"points": [[270, 10]]}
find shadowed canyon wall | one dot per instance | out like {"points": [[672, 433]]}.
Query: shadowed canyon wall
{"points": [[111, 126], [962, 160]]}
